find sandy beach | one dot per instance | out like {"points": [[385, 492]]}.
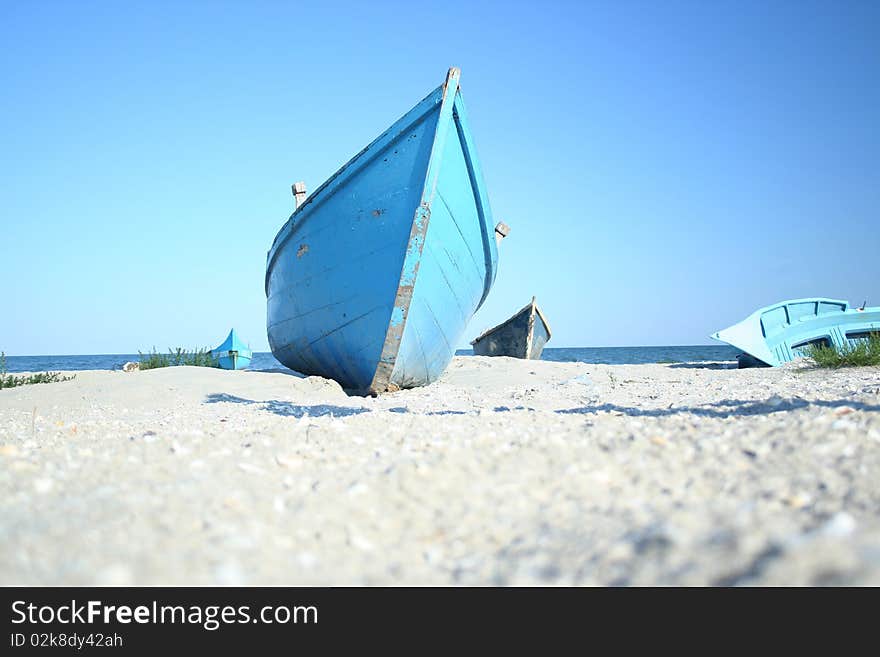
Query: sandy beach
{"points": [[505, 472]]}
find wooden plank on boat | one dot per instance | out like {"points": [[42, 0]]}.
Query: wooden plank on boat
{"points": [[299, 193]]}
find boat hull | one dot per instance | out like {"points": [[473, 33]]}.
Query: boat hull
{"points": [[233, 353], [522, 336], [234, 360], [373, 279], [779, 333]]}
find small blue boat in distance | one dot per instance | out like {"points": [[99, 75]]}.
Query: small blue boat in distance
{"points": [[233, 354], [777, 334], [374, 278]]}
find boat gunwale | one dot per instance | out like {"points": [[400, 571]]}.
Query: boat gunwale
{"points": [[478, 186], [242, 353], [773, 306], [335, 182], [755, 317]]}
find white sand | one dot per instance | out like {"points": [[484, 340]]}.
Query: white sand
{"points": [[504, 472]]}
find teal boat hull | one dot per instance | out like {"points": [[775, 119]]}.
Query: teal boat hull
{"points": [[234, 361], [778, 334], [233, 353], [374, 278]]}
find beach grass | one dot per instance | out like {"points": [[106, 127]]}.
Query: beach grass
{"points": [[863, 352], [13, 380], [178, 356]]}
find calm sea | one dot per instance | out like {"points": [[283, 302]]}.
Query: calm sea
{"points": [[265, 360]]}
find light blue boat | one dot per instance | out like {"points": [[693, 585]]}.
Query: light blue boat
{"points": [[374, 277], [233, 354], [777, 334]]}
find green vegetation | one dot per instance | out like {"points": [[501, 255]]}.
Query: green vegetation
{"points": [[179, 356], [863, 352], [13, 380]]}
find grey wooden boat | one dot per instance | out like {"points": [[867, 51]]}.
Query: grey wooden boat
{"points": [[522, 336]]}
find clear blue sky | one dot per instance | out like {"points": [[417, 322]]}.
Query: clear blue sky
{"points": [[666, 167]]}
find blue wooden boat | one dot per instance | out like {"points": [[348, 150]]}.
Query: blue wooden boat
{"points": [[374, 277], [522, 336], [778, 333], [233, 354]]}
